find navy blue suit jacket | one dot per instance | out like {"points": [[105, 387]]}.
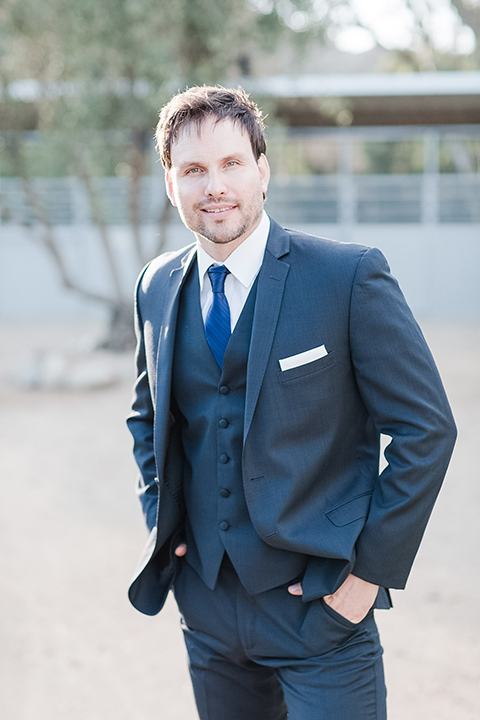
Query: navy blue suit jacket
{"points": [[311, 433]]}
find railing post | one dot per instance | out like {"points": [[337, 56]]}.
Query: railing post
{"points": [[79, 200], [346, 182], [431, 177]]}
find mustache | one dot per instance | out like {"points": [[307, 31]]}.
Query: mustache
{"points": [[216, 201]]}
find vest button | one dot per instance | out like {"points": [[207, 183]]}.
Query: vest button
{"points": [[224, 390], [224, 525], [224, 458], [224, 492], [223, 423]]}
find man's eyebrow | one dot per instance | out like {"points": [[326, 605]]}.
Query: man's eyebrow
{"points": [[235, 156], [189, 163], [199, 163]]}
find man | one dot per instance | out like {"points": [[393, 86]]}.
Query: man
{"points": [[269, 363]]}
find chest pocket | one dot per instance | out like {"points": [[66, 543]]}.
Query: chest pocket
{"points": [[301, 371]]}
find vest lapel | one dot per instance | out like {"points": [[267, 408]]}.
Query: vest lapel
{"points": [[166, 345]]}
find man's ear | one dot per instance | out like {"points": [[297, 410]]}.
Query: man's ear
{"points": [[264, 169], [169, 187]]}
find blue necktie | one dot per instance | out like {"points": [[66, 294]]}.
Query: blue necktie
{"points": [[217, 322]]}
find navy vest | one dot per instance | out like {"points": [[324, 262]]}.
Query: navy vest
{"points": [[211, 406]]}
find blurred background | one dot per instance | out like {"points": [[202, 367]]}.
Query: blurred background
{"points": [[373, 137]]}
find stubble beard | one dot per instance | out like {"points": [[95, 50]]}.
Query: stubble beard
{"points": [[222, 234]]}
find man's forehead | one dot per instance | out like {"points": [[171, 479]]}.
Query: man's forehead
{"points": [[195, 129]]}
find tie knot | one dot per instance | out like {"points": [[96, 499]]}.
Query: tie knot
{"points": [[217, 275]]}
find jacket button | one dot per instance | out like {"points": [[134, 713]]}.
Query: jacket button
{"points": [[224, 458], [224, 525], [224, 492], [223, 423], [224, 390]]}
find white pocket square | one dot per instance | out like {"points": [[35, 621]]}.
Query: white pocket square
{"points": [[303, 358]]}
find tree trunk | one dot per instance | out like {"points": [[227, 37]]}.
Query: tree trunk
{"points": [[120, 335], [138, 160], [163, 223]]}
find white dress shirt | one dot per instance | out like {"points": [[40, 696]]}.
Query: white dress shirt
{"points": [[244, 264]]}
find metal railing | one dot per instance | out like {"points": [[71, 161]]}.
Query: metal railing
{"points": [[340, 192]]}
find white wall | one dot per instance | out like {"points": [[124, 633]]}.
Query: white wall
{"points": [[436, 265], [30, 285]]}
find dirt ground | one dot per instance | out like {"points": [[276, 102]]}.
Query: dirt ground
{"points": [[70, 530]]}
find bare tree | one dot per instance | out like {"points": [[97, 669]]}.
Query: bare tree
{"points": [[102, 65]]}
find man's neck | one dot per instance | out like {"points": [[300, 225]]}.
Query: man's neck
{"points": [[221, 251]]}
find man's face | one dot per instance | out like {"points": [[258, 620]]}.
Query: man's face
{"points": [[217, 184]]}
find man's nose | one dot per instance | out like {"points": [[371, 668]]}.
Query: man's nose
{"points": [[215, 184]]}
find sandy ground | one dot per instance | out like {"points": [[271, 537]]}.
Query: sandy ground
{"points": [[70, 530]]}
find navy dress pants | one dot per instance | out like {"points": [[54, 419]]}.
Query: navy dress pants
{"points": [[271, 656]]}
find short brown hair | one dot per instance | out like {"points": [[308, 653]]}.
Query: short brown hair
{"points": [[198, 103]]}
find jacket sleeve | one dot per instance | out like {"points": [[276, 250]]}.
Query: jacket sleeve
{"points": [[402, 390], [140, 423]]}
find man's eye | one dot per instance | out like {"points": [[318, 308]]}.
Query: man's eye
{"points": [[190, 171], [231, 163]]}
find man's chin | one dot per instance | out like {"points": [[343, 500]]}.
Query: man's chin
{"points": [[220, 239]]}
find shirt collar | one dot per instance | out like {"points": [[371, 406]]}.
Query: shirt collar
{"points": [[245, 261]]}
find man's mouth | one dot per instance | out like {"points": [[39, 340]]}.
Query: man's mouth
{"points": [[217, 211]]}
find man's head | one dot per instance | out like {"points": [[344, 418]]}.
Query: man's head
{"points": [[212, 147], [197, 104]]}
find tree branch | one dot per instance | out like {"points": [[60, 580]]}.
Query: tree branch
{"points": [[163, 222], [41, 214], [99, 220], [138, 166]]}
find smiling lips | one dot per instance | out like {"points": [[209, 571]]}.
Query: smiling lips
{"points": [[216, 211]]}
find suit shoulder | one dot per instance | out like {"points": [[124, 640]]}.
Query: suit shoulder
{"points": [[158, 270], [331, 253], [325, 246]]}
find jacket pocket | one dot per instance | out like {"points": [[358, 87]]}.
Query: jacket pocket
{"points": [[350, 511]]}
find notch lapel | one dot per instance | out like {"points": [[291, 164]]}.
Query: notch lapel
{"points": [[270, 289]]}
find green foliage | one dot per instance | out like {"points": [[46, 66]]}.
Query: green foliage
{"points": [[104, 65], [112, 63], [42, 154], [305, 156], [460, 156], [399, 157]]}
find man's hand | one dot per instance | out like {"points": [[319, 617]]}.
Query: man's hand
{"points": [[181, 550], [352, 600]]}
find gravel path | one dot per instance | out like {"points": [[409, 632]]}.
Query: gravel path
{"points": [[70, 530]]}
